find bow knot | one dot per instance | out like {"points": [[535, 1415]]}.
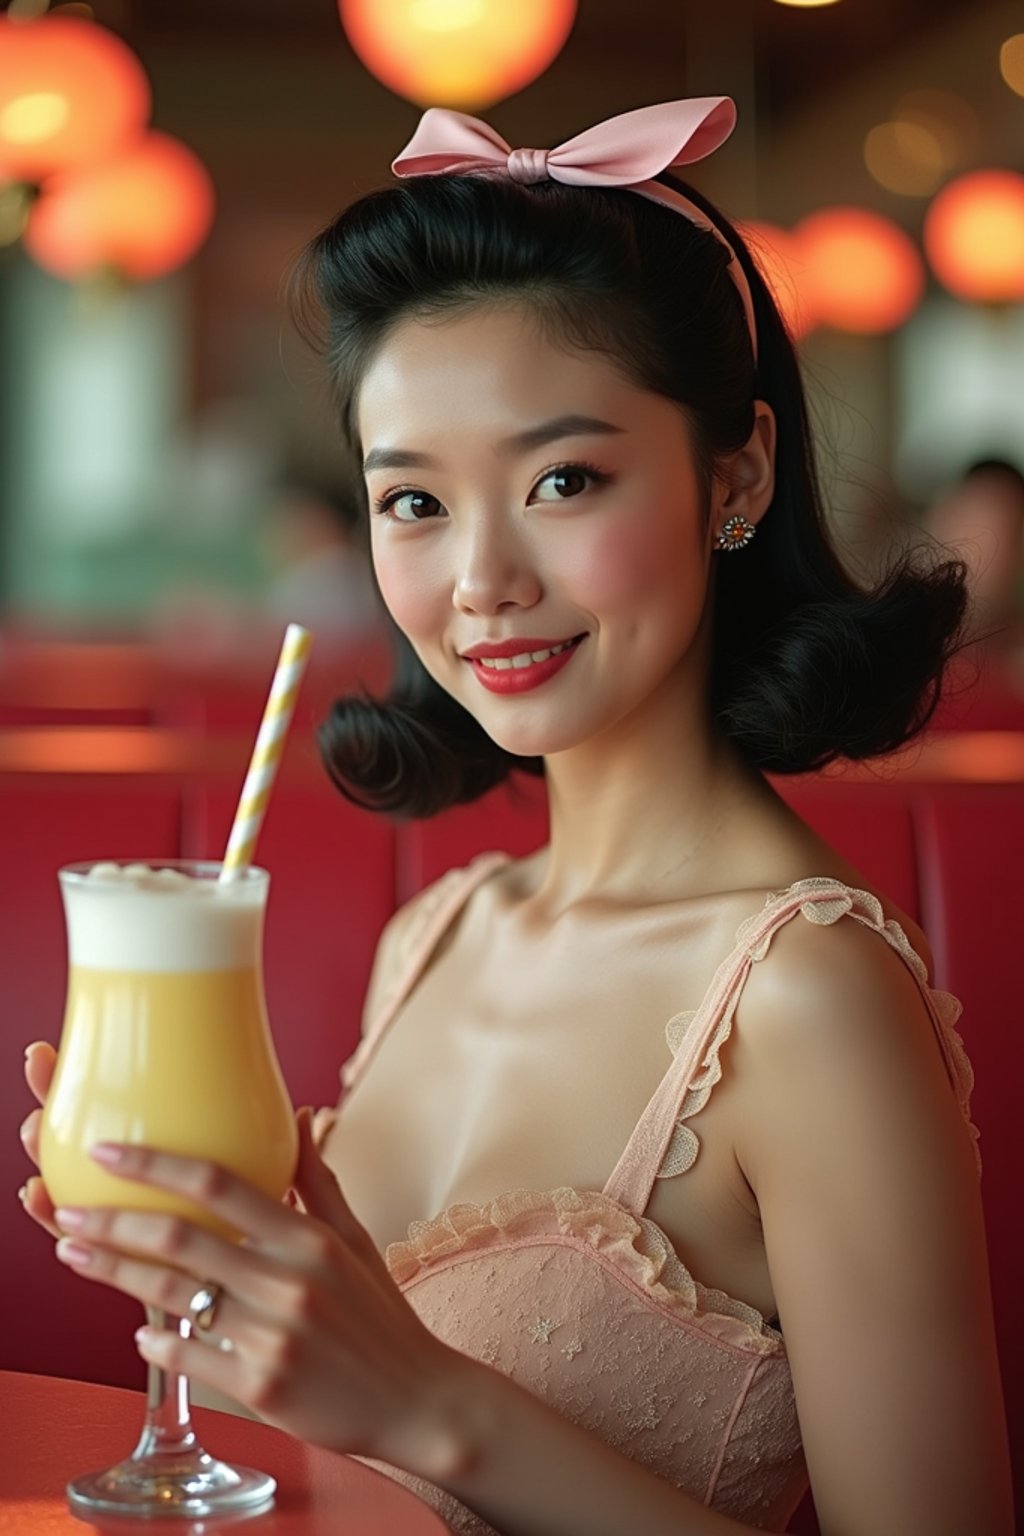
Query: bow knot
{"points": [[627, 151], [528, 165]]}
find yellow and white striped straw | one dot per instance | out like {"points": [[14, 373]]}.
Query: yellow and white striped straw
{"points": [[268, 751]]}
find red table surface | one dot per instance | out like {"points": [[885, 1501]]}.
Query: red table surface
{"points": [[53, 1430]]}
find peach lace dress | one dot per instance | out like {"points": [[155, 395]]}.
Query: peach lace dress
{"points": [[581, 1299]]}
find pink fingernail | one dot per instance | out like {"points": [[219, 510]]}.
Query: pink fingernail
{"points": [[69, 1216], [70, 1252], [23, 1193], [107, 1152]]}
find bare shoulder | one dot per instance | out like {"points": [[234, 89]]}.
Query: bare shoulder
{"points": [[834, 1013], [844, 972]]}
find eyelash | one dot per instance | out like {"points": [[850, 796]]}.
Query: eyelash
{"points": [[382, 504]]}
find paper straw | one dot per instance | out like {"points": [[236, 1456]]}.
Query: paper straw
{"points": [[268, 751]]}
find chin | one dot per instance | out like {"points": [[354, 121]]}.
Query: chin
{"points": [[508, 722], [530, 739]]}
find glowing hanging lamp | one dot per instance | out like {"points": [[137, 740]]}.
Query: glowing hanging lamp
{"points": [[974, 237], [779, 259], [464, 54], [861, 272], [140, 214], [70, 93]]}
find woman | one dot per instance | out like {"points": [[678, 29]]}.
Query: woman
{"points": [[672, 1259]]}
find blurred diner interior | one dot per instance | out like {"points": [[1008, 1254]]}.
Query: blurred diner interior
{"points": [[172, 490]]}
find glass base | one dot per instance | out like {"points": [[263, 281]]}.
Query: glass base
{"points": [[189, 1483]]}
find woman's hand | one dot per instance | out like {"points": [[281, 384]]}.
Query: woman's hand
{"points": [[40, 1060], [314, 1335]]}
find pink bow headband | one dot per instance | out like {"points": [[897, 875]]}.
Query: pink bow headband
{"points": [[626, 151]]}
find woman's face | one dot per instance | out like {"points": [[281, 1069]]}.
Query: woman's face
{"points": [[523, 497]]}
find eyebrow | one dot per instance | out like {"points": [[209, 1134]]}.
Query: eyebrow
{"points": [[534, 437]]}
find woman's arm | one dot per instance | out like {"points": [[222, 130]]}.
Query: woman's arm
{"points": [[866, 1182]]}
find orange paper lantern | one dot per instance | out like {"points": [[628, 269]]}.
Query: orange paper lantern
{"points": [[143, 213], [70, 93], [862, 273], [780, 262], [974, 236], [457, 53]]}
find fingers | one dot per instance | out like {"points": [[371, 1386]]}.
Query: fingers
{"points": [[157, 1258], [29, 1133], [323, 1124], [38, 1205], [225, 1371], [264, 1221], [154, 1283], [40, 1060], [262, 1380], [317, 1186]]}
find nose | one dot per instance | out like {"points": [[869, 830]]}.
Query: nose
{"points": [[495, 569]]}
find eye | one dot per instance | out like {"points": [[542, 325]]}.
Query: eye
{"points": [[406, 506], [569, 480]]}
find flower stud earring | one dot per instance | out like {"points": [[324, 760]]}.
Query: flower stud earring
{"points": [[735, 533]]}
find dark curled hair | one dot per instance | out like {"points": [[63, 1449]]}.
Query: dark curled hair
{"points": [[806, 665]]}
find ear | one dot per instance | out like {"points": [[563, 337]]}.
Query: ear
{"points": [[745, 482]]}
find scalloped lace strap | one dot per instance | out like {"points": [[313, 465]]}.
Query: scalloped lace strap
{"points": [[661, 1142], [438, 911]]}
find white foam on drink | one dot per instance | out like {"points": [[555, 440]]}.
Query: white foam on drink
{"points": [[134, 918]]}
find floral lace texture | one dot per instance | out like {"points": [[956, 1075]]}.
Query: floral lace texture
{"points": [[637, 1250], [590, 1309]]}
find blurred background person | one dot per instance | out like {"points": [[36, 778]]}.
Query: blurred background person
{"points": [[980, 519], [320, 573]]}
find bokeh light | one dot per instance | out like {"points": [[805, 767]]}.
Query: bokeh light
{"points": [[70, 93], [1011, 62], [142, 213], [778, 257], [905, 157], [457, 53], [950, 120], [974, 236], [862, 272]]}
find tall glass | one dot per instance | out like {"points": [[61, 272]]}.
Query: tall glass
{"points": [[166, 1043]]}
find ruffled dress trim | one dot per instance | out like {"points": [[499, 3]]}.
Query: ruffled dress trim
{"points": [[826, 901], [637, 1250]]}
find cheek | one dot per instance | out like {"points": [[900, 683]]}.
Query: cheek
{"points": [[623, 563], [409, 588]]}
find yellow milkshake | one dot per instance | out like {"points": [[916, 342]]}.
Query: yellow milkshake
{"points": [[165, 1038]]}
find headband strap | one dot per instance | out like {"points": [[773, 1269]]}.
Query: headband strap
{"points": [[626, 151]]}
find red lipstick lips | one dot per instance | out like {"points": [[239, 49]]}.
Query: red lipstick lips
{"points": [[515, 676]]}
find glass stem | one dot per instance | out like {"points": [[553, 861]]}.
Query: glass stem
{"points": [[168, 1428]]}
